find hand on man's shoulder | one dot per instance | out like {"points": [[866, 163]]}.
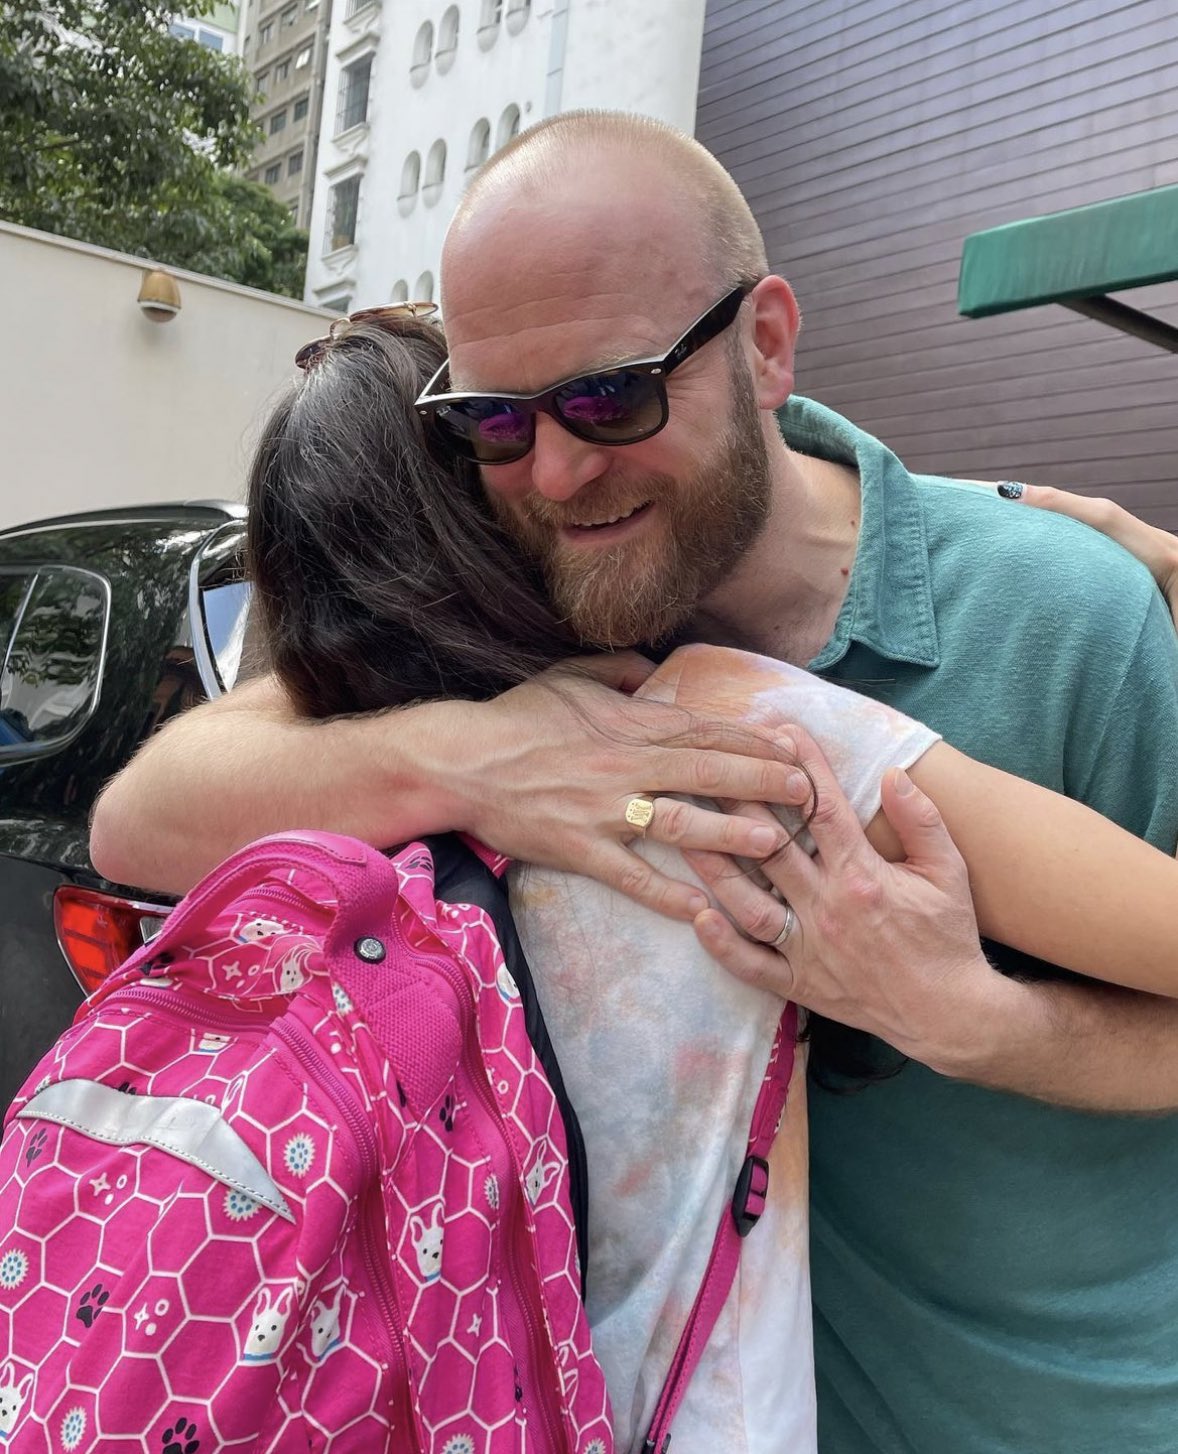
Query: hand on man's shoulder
{"points": [[1042, 571]]}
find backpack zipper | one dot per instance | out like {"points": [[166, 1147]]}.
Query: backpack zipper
{"points": [[374, 1244], [532, 1341]]}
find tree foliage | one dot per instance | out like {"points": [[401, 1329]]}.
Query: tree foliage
{"points": [[118, 133]]}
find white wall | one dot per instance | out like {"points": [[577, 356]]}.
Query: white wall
{"points": [[635, 57], [99, 406]]}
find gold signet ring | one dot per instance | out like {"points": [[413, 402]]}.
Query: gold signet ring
{"points": [[639, 812]]}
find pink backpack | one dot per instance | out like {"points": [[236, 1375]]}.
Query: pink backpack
{"points": [[302, 1177], [269, 1194]]}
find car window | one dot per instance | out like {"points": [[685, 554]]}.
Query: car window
{"points": [[53, 626], [225, 607]]}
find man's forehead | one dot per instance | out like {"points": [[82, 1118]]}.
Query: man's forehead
{"points": [[540, 287]]}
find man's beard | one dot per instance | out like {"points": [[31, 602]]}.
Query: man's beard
{"points": [[642, 591]]}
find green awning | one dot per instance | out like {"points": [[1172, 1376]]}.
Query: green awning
{"points": [[1076, 258]]}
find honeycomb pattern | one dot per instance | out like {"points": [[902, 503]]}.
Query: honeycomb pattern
{"points": [[426, 1294]]}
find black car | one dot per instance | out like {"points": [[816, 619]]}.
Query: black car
{"points": [[111, 623]]}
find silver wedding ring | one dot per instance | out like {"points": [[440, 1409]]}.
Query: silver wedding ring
{"points": [[786, 929]]}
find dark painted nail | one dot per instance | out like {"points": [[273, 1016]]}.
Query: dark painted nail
{"points": [[1011, 490]]}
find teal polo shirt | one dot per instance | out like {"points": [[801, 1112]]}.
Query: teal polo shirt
{"points": [[993, 1275]]}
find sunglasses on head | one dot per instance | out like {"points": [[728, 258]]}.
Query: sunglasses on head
{"points": [[620, 405], [312, 352]]}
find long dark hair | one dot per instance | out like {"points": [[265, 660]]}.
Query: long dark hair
{"points": [[380, 575]]}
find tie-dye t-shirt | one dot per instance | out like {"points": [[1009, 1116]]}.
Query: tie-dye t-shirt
{"points": [[663, 1054]]}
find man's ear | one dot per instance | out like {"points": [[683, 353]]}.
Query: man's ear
{"points": [[776, 321]]}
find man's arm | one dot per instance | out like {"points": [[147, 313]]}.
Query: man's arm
{"points": [[892, 948], [542, 774]]}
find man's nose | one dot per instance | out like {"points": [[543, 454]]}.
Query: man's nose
{"points": [[562, 464]]}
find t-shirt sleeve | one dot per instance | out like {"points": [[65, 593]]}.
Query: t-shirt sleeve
{"points": [[861, 737]]}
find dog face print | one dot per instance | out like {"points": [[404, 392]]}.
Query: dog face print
{"points": [[427, 1243]]}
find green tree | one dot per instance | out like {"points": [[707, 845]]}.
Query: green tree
{"points": [[115, 132]]}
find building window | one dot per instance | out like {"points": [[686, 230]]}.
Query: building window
{"points": [[342, 211], [423, 53], [278, 122], [517, 15], [289, 16], [353, 95], [400, 293], [293, 209], [294, 163], [479, 147], [489, 18], [272, 174], [435, 172], [281, 71], [424, 292], [261, 81], [355, 7], [339, 304], [212, 39], [182, 32], [508, 126], [265, 34], [304, 57], [410, 181], [311, 5], [300, 108], [447, 39]]}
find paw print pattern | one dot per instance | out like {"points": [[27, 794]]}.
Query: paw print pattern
{"points": [[446, 1111], [127, 1088], [35, 1147], [93, 1302], [180, 1436]]}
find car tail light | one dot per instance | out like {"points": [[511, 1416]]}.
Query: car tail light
{"points": [[98, 931]]}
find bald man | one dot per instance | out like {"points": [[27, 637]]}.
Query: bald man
{"points": [[995, 1260]]}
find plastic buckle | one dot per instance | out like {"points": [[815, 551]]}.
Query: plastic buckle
{"points": [[744, 1217]]}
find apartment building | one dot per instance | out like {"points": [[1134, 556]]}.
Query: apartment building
{"points": [[218, 29], [418, 93], [284, 46]]}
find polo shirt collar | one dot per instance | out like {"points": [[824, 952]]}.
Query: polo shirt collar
{"points": [[889, 601]]}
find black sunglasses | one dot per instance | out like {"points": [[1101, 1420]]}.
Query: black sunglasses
{"points": [[620, 405]]}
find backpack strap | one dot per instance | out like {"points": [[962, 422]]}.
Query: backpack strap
{"points": [[736, 1222]]}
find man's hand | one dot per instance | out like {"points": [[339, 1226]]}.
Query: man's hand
{"points": [[549, 768], [891, 948], [1156, 549]]}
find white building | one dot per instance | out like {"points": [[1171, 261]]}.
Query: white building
{"points": [[419, 92]]}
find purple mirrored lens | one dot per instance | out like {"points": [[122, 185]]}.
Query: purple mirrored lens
{"points": [[509, 427], [614, 407]]}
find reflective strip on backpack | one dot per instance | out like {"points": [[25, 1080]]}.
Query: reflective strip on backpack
{"points": [[191, 1130]]}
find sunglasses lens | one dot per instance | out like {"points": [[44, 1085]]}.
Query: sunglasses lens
{"points": [[489, 430], [617, 407]]}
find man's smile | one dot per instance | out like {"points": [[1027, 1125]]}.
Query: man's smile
{"points": [[608, 528]]}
